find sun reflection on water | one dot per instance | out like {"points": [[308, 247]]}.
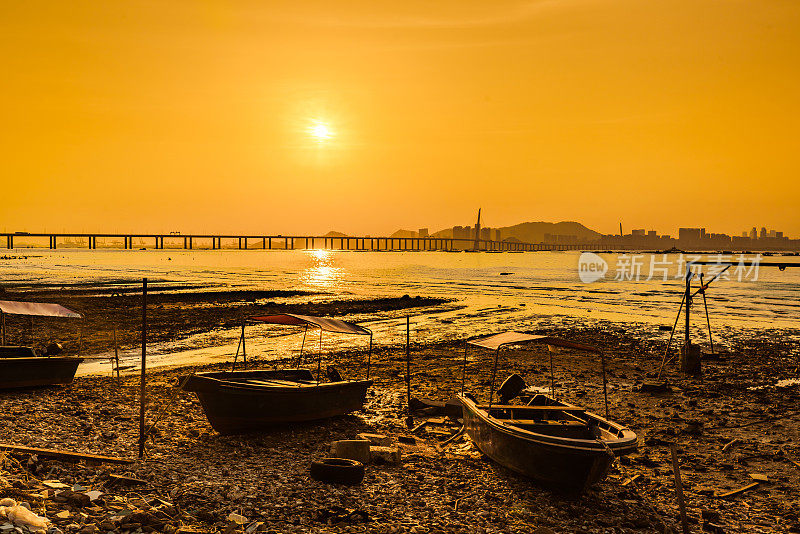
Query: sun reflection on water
{"points": [[322, 273]]}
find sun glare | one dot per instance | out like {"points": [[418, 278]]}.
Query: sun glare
{"points": [[320, 131]]}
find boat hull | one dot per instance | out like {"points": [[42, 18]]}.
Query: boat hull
{"points": [[37, 371], [565, 464], [236, 407]]}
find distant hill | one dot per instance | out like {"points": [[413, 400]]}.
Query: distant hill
{"points": [[333, 233], [402, 234], [533, 232]]}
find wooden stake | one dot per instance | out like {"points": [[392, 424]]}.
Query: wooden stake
{"points": [[142, 392], [679, 487]]}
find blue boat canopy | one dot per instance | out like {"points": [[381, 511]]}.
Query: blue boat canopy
{"points": [[37, 308], [324, 323], [494, 342]]}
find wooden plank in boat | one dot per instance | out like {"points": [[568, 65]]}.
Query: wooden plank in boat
{"points": [[543, 424], [270, 382], [522, 407]]}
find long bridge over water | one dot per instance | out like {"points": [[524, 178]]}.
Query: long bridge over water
{"points": [[269, 242]]}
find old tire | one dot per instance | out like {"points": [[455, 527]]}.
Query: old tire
{"points": [[338, 471]]}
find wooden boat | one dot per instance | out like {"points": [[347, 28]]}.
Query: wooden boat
{"points": [[555, 443], [22, 367], [246, 401], [237, 402]]}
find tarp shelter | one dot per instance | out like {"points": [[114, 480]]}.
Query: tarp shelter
{"points": [[40, 309], [497, 341], [323, 323], [37, 308]]}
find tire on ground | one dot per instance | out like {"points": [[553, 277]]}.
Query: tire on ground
{"points": [[338, 471]]}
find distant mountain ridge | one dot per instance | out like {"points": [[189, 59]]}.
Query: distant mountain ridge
{"points": [[534, 232], [527, 232]]}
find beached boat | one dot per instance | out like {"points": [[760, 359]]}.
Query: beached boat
{"points": [[557, 444], [246, 401], [22, 367]]}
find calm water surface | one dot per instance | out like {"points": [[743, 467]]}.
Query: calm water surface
{"points": [[491, 292]]}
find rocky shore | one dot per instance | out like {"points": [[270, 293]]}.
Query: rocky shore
{"points": [[195, 480], [177, 311]]}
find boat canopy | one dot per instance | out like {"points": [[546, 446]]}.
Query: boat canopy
{"points": [[37, 308], [324, 323], [494, 342]]}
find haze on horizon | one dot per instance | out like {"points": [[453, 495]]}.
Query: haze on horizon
{"points": [[371, 116]]}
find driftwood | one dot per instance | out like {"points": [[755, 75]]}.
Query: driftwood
{"points": [[64, 455], [737, 491], [631, 480]]}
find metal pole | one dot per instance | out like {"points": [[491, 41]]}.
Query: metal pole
{"points": [[142, 392], [409, 418], [369, 355], [671, 334], [464, 368], [552, 375], [302, 345], [116, 352], [605, 389], [688, 298], [244, 349], [3, 324], [708, 321], [494, 375], [319, 357]]}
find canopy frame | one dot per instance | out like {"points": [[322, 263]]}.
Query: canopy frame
{"points": [[38, 309], [498, 341], [324, 324]]}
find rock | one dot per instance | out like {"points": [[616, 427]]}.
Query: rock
{"points": [[8, 502], [236, 518], [384, 455], [353, 449], [74, 498], [709, 515], [758, 477], [381, 440]]}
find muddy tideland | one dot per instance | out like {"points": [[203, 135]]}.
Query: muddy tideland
{"points": [[737, 427]]}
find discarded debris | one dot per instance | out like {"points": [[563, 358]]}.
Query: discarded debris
{"points": [[64, 455], [737, 491]]}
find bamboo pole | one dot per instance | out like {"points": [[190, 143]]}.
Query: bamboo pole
{"points": [[142, 392]]}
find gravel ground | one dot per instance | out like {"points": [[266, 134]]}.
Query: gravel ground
{"points": [[194, 478]]}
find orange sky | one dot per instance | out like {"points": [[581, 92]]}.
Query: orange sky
{"points": [[195, 116]]}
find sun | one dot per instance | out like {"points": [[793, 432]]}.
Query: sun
{"points": [[320, 131]]}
